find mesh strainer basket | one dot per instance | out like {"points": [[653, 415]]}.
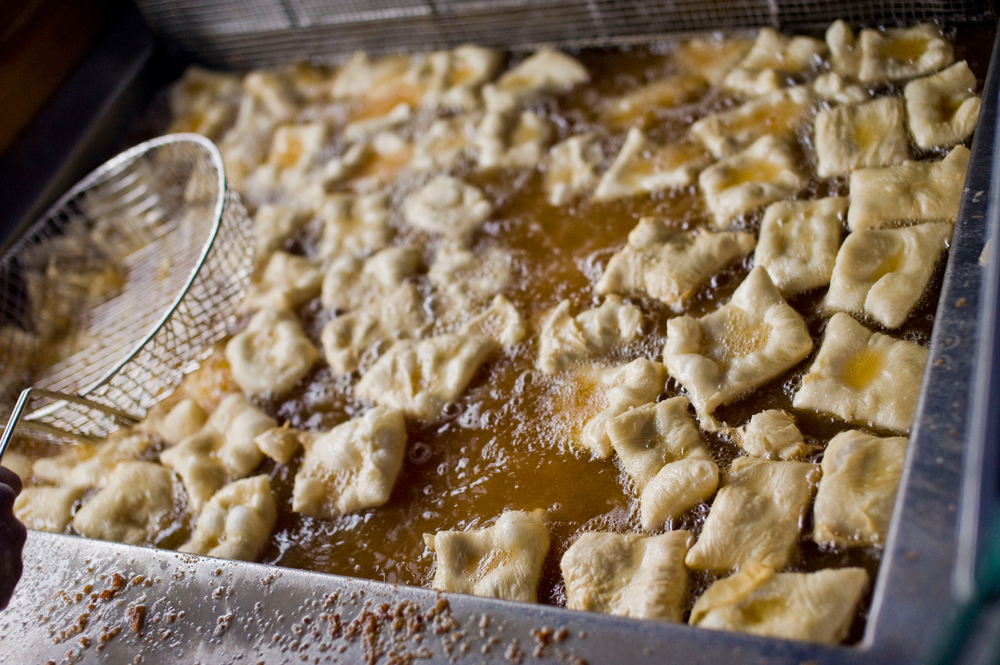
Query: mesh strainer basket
{"points": [[121, 288]]}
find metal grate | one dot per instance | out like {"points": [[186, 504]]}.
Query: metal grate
{"points": [[233, 34], [170, 249]]}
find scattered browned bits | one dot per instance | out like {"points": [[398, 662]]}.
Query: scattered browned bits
{"points": [[136, 617]]}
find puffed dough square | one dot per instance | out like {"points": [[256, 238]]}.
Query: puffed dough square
{"points": [[723, 355], [199, 87], [354, 224], [295, 147], [771, 434], [421, 378], [943, 109], [287, 282], [643, 166], [909, 192], [901, 53], [352, 467], [639, 382], [866, 135], [175, 422], [236, 522], [799, 242], [845, 54], [350, 340], [756, 515], [467, 279], [641, 106], [19, 464], [864, 377], [470, 67], [762, 173], [815, 607], [46, 508], [861, 476], [501, 321], [711, 57], [547, 72], [281, 443], [222, 451], [670, 265], [883, 273], [779, 113], [244, 146], [360, 130], [566, 339], [273, 226], [273, 91], [771, 60], [351, 282], [501, 561], [448, 207], [444, 144], [512, 139], [629, 575], [134, 506], [271, 354], [663, 452], [572, 168], [89, 466], [361, 75], [834, 88]]}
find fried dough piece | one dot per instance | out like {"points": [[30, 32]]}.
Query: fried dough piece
{"points": [[778, 113], [354, 224], [236, 522], [756, 516], [273, 225], [501, 561], [866, 135], [864, 377], [288, 282], [762, 173], [772, 59], [662, 451], [572, 168], [799, 242], [723, 355], [352, 467], [566, 339], [271, 354], [883, 273], [816, 607], [632, 385], [643, 165], [47, 508], [351, 282], [133, 507], [711, 57], [895, 54], [943, 109], [629, 575], [771, 434], [546, 72], [501, 321], [221, 452], [447, 206], [420, 378], [351, 337], [835, 88], [640, 106], [670, 265], [89, 466], [444, 143], [512, 139], [908, 193], [861, 476]]}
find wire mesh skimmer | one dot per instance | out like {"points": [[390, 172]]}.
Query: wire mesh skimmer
{"points": [[121, 288]]}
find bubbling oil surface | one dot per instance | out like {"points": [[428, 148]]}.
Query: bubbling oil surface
{"points": [[508, 442]]}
